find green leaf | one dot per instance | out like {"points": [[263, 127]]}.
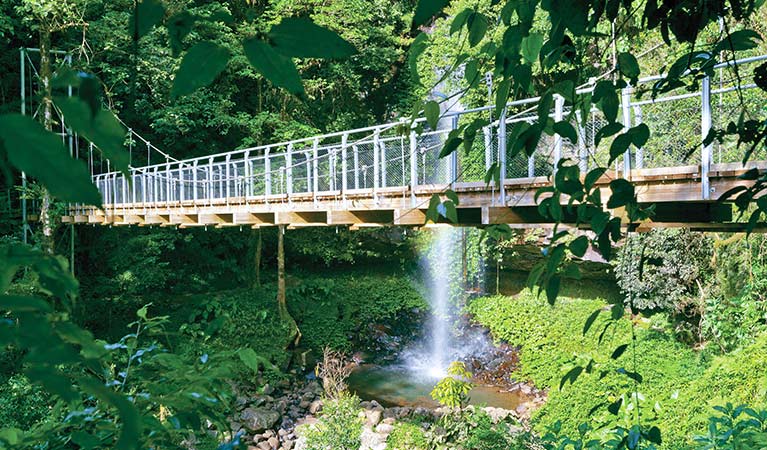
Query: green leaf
{"points": [[432, 213], [628, 66], [179, 26], [150, 13], [639, 134], [18, 303], [451, 213], [420, 43], [552, 288], [606, 97], [738, 41], [622, 193], [431, 111], [40, 153], [278, 69], [450, 194], [477, 23], [426, 9], [199, 67], [590, 321], [566, 130], [531, 47], [619, 146], [593, 176], [615, 406], [654, 435], [579, 246], [451, 145], [130, 434], [606, 131], [302, 38], [571, 376], [103, 130], [620, 350]]}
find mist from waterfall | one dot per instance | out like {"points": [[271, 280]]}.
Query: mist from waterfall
{"points": [[444, 267]]}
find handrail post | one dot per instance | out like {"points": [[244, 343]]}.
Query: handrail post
{"points": [[705, 156], [210, 180], [247, 183], [454, 155], [626, 106], [228, 177], [289, 170], [356, 152], [583, 153], [167, 182], [382, 151], [413, 167], [332, 167], [376, 167], [488, 148], [267, 173], [180, 183], [640, 150], [559, 104], [315, 169], [502, 156], [344, 166], [194, 182]]}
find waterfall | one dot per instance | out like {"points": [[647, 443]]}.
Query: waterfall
{"points": [[443, 264]]}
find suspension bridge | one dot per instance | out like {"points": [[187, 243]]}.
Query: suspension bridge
{"points": [[382, 175]]}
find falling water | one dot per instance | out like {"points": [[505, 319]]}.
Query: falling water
{"points": [[442, 267]]}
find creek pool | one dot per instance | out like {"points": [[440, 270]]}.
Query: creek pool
{"points": [[397, 386]]}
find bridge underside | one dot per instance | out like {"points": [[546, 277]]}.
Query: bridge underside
{"points": [[676, 191]]}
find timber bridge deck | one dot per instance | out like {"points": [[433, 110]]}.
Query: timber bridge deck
{"points": [[379, 176]]}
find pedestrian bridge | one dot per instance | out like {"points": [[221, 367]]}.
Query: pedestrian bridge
{"points": [[386, 174]]}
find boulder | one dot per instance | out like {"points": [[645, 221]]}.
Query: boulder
{"points": [[384, 428], [259, 419], [370, 440], [273, 442], [315, 407], [373, 417]]}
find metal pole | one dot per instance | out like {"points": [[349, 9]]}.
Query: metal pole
{"points": [[344, 166], [413, 168], [382, 151], [376, 168], [583, 154], [289, 170], [453, 156], [315, 168], [705, 157], [194, 181], [626, 106], [356, 152], [267, 174], [246, 181], [488, 148], [502, 155], [639, 150], [559, 103]]}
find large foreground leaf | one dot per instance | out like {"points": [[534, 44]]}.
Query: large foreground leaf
{"points": [[302, 38], [42, 155], [278, 69], [200, 66]]}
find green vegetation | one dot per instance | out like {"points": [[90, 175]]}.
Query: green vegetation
{"points": [[678, 386], [339, 427]]}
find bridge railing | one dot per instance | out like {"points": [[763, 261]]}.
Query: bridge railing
{"points": [[392, 158]]}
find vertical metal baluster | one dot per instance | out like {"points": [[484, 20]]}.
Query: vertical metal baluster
{"points": [[626, 106], [344, 166], [289, 169], [413, 168], [376, 167], [502, 156], [356, 152], [705, 128], [267, 173], [559, 103]]}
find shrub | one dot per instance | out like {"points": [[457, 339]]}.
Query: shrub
{"points": [[407, 436], [453, 390], [22, 404], [339, 426], [673, 261]]}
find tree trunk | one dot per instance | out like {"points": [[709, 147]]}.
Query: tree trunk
{"points": [[46, 220], [282, 303], [256, 281]]}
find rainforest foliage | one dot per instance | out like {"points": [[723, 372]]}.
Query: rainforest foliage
{"points": [[142, 347]]}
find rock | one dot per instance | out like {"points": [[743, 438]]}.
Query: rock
{"points": [[384, 428], [268, 389], [267, 434], [315, 407], [370, 440], [497, 415], [389, 420], [273, 442], [259, 419], [375, 405], [287, 445], [264, 446], [304, 404], [314, 387], [282, 432], [373, 417]]}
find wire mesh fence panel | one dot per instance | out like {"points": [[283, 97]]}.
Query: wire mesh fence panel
{"points": [[365, 159], [300, 172], [397, 155], [430, 168], [675, 132], [726, 107], [325, 167]]}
